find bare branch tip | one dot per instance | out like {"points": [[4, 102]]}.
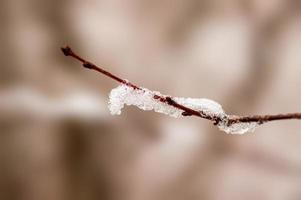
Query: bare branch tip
{"points": [[67, 51]]}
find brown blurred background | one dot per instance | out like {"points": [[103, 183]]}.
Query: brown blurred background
{"points": [[58, 140]]}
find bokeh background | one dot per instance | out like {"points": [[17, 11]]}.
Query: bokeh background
{"points": [[58, 140]]}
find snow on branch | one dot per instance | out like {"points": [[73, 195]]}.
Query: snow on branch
{"points": [[128, 93]]}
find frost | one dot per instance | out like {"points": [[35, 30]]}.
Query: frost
{"points": [[238, 128], [207, 106], [144, 99]]}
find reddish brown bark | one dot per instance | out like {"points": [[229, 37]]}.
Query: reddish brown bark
{"points": [[186, 111]]}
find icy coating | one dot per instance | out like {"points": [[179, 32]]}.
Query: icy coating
{"points": [[143, 99], [238, 128]]}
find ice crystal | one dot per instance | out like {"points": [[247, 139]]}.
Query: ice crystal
{"points": [[207, 106], [144, 99], [238, 128]]}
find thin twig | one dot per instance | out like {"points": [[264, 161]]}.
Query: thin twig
{"points": [[186, 111]]}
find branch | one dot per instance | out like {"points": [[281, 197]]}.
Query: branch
{"points": [[233, 119]]}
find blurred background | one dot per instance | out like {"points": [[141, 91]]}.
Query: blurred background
{"points": [[58, 140]]}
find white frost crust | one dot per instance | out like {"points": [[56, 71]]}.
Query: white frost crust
{"points": [[144, 99], [207, 106], [238, 128]]}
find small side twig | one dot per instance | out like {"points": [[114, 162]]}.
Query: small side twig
{"points": [[186, 111]]}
